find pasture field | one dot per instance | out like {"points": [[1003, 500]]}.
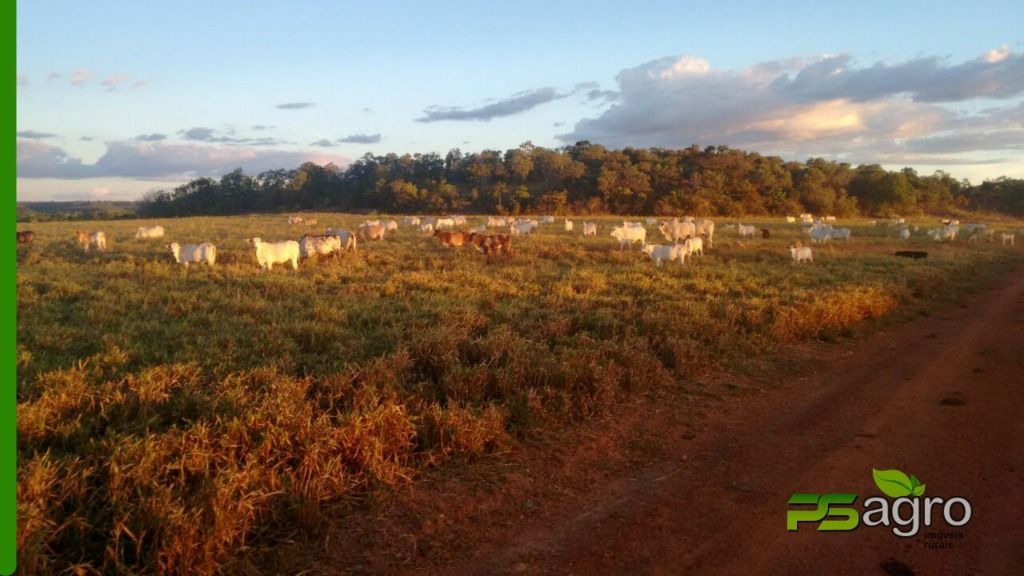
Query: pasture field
{"points": [[168, 419]]}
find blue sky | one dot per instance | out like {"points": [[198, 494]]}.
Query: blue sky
{"points": [[117, 98]]}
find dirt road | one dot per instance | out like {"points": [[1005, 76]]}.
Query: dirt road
{"points": [[941, 397]]}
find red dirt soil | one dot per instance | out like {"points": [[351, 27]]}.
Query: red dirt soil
{"points": [[701, 485]]}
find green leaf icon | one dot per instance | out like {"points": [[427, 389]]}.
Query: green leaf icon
{"points": [[919, 490], [893, 483], [914, 482]]}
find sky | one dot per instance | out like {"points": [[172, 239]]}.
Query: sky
{"points": [[119, 98]]}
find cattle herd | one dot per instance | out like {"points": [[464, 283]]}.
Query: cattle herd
{"points": [[686, 237]]}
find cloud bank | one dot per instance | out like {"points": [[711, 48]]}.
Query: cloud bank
{"points": [[515, 104], [827, 105], [159, 160], [361, 138]]}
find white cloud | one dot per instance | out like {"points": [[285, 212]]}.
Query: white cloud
{"points": [[156, 160], [828, 106]]}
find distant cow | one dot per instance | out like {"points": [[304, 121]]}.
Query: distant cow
{"points": [[26, 236], [295, 220], [189, 253], [491, 244], [371, 231], [590, 228], [912, 254], [447, 238], [347, 238], [144, 232], [316, 244], [92, 240]]}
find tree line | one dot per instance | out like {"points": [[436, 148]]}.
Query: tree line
{"points": [[587, 178]]}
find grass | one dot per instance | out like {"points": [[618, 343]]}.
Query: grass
{"points": [[168, 419]]}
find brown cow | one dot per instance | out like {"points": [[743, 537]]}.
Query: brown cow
{"points": [[455, 239], [26, 236], [492, 244]]}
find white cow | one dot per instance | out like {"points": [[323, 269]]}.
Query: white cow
{"points": [[706, 228], [791, 219], [807, 218], [629, 234], [547, 219], [347, 238], [676, 230], [521, 228], [459, 220], [839, 233], [444, 223], [693, 246], [295, 220], [391, 226], [145, 232], [481, 229], [590, 228], [270, 253], [371, 231], [1008, 238], [568, 225], [428, 227], [670, 252], [190, 253], [904, 233], [821, 232], [627, 223], [93, 241], [746, 231], [411, 220], [313, 245], [497, 221], [801, 254]]}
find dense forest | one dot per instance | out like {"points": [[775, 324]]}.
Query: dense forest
{"points": [[588, 178]]}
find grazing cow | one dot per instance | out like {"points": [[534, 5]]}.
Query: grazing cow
{"points": [[806, 218], [843, 233], [568, 225], [270, 253], [316, 244], [830, 218], [1008, 238], [912, 254], [493, 221], [821, 233], [670, 252], [491, 244], [391, 226], [629, 234], [745, 231], [189, 253], [447, 238], [947, 232], [765, 233], [590, 228], [444, 223], [693, 246], [411, 220], [26, 236], [92, 240], [800, 253], [428, 227], [705, 228], [791, 219], [295, 220], [459, 220], [522, 227], [677, 230], [904, 233], [347, 238], [144, 232], [371, 231]]}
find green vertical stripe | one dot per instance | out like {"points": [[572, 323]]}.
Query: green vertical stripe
{"points": [[8, 456]]}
